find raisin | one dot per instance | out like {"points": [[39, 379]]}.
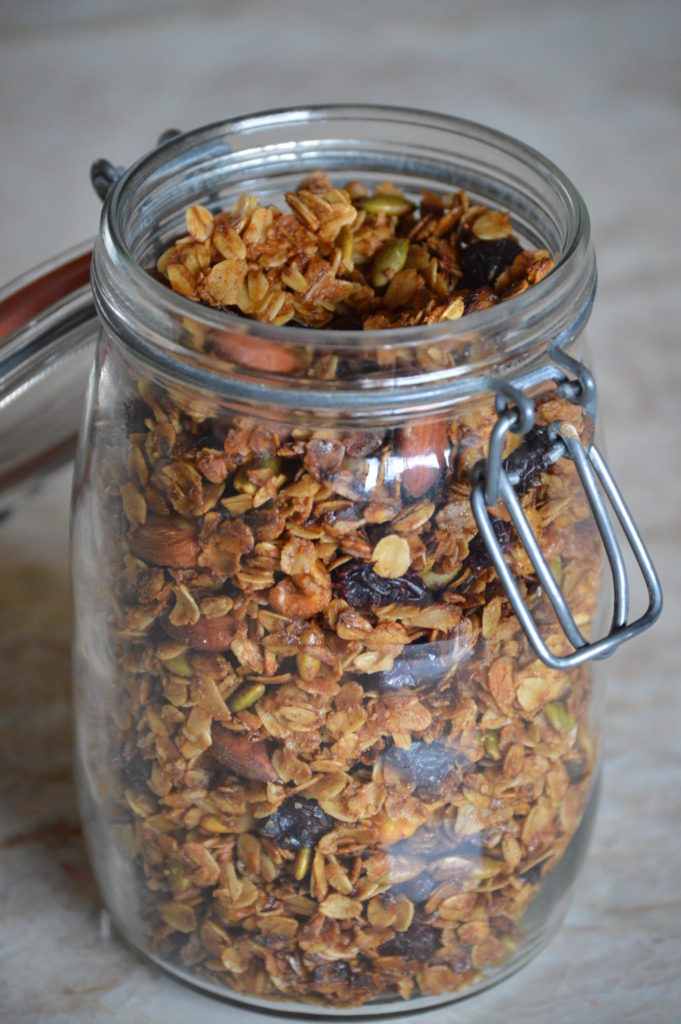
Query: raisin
{"points": [[417, 889], [296, 824], [135, 770], [409, 673], [478, 558], [576, 770], [532, 875], [418, 943], [535, 453], [482, 262], [358, 584], [331, 975], [426, 765]]}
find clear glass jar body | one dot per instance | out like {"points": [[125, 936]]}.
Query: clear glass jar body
{"points": [[318, 759]]}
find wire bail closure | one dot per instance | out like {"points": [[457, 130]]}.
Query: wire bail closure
{"points": [[491, 483]]}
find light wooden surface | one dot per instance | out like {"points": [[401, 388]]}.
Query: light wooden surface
{"points": [[595, 86]]}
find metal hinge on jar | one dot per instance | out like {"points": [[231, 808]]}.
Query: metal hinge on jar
{"points": [[492, 483]]}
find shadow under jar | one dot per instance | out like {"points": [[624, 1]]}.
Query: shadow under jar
{"points": [[304, 780]]}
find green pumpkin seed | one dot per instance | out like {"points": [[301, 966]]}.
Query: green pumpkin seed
{"points": [[491, 744], [389, 202], [242, 483], [302, 863], [389, 261], [559, 717], [270, 463], [243, 699], [439, 580], [179, 666]]}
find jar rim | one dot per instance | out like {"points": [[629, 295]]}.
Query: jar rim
{"points": [[561, 302]]}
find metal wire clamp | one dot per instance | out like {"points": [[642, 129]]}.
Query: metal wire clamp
{"points": [[491, 483]]}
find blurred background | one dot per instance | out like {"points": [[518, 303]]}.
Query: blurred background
{"points": [[596, 86]]}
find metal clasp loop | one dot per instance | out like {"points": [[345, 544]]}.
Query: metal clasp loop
{"points": [[491, 482], [104, 175]]}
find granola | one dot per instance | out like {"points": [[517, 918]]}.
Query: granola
{"points": [[343, 773], [349, 260]]}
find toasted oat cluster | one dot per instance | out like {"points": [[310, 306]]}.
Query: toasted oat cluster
{"points": [[345, 259]]}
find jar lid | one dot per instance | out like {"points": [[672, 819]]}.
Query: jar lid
{"points": [[48, 324]]}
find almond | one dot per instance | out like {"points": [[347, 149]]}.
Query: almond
{"points": [[255, 353], [164, 541], [206, 634], [424, 445], [246, 757]]}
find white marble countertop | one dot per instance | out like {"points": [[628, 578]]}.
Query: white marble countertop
{"points": [[595, 86]]}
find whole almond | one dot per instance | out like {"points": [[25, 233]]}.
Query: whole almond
{"points": [[246, 757], [255, 353], [423, 445], [206, 634], [162, 541]]}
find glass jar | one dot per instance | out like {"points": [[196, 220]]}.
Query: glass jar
{"points": [[337, 594]]}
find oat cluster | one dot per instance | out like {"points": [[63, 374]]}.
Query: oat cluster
{"points": [[343, 258], [342, 773]]}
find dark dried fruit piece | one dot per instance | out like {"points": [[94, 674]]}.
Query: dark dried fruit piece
{"points": [[358, 584], [417, 889], [478, 558], [409, 673], [418, 943], [576, 770], [136, 770], [425, 765], [244, 756], [482, 262], [296, 824], [535, 453], [330, 976], [532, 875]]}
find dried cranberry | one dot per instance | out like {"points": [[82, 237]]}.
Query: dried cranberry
{"points": [[418, 889], [425, 765], [482, 262], [418, 943], [358, 584], [296, 824]]}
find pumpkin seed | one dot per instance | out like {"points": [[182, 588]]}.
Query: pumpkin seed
{"points": [[559, 717], [388, 261], [243, 699], [389, 202]]}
